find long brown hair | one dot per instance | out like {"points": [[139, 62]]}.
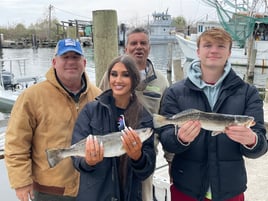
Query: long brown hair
{"points": [[133, 111]]}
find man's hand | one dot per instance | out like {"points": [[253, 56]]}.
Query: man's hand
{"points": [[25, 193], [189, 131], [242, 135]]}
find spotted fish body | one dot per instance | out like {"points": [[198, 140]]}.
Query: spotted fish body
{"points": [[112, 145], [214, 122]]}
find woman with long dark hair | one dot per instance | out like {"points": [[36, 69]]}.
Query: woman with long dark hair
{"points": [[115, 178]]}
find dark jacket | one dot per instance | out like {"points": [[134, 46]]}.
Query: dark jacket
{"points": [[100, 182], [215, 161]]}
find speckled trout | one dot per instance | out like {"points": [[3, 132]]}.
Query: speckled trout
{"points": [[214, 122], [112, 145]]}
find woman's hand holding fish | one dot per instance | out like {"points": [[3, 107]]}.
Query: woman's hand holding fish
{"points": [[189, 131], [94, 151], [242, 135], [132, 143]]}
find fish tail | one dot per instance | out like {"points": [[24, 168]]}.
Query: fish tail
{"points": [[158, 120], [54, 156]]}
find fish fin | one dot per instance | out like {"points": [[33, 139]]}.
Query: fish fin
{"points": [[215, 133], [157, 120], [54, 157], [186, 112]]}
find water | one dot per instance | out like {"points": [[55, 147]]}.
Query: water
{"points": [[38, 62]]}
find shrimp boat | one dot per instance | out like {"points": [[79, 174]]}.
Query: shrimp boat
{"points": [[161, 29], [247, 26]]}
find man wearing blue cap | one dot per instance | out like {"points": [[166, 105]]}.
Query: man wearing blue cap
{"points": [[43, 117]]}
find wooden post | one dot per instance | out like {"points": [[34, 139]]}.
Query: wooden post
{"points": [[178, 70], [105, 40], [1, 52], [250, 72], [1, 40], [266, 92], [251, 60], [34, 42], [77, 30], [169, 64], [71, 32]]}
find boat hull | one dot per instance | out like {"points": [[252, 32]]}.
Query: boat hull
{"points": [[158, 40], [238, 57], [7, 100]]}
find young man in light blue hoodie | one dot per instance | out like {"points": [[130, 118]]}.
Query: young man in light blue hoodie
{"points": [[207, 167]]}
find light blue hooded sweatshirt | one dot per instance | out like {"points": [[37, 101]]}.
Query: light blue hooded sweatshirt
{"points": [[194, 73]]}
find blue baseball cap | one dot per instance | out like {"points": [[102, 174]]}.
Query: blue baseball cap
{"points": [[68, 45]]}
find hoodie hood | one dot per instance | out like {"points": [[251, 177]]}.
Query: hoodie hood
{"points": [[194, 73]]}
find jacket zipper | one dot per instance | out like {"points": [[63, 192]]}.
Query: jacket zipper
{"points": [[77, 106]]}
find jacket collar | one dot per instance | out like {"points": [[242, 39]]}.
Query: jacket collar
{"points": [[232, 80], [150, 76], [52, 78]]}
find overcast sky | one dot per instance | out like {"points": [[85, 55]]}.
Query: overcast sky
{"points": [[128, 11]]}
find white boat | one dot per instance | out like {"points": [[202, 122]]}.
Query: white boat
{"points": [[86, 41], [161, 29], [188, 47], [7, 100], [238, 57], [9, 44], [248, 32], [11, 86]]}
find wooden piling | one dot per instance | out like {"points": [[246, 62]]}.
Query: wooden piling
{"points": [[178, 70], [105, 40], [169, 64], [71, 32], [266, 92], [251, 67], [34, 42], [1, 40]]}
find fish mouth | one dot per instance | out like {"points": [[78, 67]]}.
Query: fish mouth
{"points": [[251, 123]]}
